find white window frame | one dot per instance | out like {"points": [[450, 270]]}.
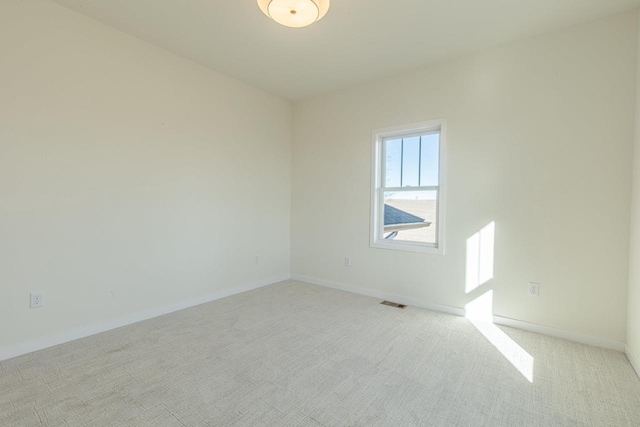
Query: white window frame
{"points": [[378, 166]]}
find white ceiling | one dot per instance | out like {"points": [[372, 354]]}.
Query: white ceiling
{"points": [[357, 41]]}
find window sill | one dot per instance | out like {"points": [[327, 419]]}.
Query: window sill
{"points": [[408, 247]]}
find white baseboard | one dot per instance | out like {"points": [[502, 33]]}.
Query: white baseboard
{"points": [[379, 294], [42, 343], [518, 324], [561, 333], [635, 362]]}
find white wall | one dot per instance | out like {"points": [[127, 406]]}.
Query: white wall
{"points": [[132, 178], [129, 178], [633, 320], [540, 141]]}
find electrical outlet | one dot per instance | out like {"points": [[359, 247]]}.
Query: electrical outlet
{"points": [[347, 261], [534, 289], [36, 299]]}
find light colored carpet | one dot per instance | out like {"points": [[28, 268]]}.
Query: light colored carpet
{"points": [[293, 354]]}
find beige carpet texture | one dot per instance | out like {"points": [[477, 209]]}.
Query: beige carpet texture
{"points": [[293, 354]]}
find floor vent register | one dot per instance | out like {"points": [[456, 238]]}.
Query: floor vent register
{"points": [[393, 304]]}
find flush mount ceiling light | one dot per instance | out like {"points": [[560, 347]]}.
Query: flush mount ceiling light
{"points": [[294, 13]]}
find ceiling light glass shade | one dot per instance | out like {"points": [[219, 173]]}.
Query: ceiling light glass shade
{"points": [[294, 13]]}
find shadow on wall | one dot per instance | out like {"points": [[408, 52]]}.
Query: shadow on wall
{"points": [[479, 271]]}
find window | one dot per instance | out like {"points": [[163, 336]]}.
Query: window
{"points": [[408, 188]]}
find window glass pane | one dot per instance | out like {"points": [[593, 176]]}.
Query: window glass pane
{"points": [[411, 216], [429, 156], [393, 162], [410, 161]]}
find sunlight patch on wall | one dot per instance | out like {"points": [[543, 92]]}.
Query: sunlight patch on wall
{"points": [[480, 250], [481, 308]]}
